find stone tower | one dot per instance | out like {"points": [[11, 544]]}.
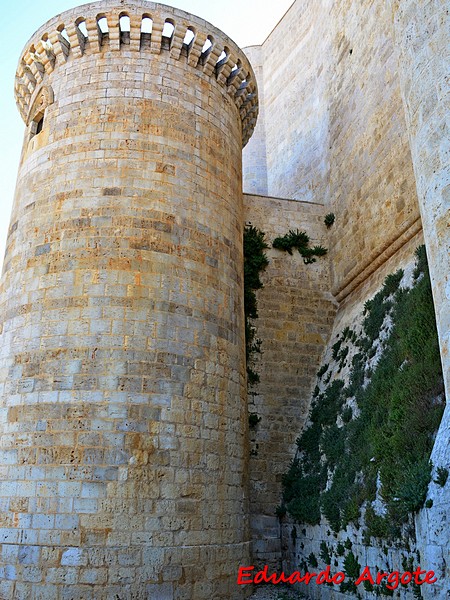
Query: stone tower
{"points": [[123, 416]]}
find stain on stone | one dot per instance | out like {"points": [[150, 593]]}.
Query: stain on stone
{"points": [[165, 168], [112, 191], [42, 249]]}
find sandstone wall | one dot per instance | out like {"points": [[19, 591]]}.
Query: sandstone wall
{"points": [[298, 57], [335, 130], [254, 175], [336, 133], [372, 185], [296, 313], [123, 418], [422, 35]]}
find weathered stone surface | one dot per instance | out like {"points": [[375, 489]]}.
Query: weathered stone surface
{"points": [[124, 414], [296, 312], [124, 447], [355, 116]]}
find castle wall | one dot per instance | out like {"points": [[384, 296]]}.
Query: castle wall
{"points": [[335, 132], [297, 58], [254, 168], [296, 312], [372, 185], [123, 417], [422, 34]]}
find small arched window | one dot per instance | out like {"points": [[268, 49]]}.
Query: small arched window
{"points": [[39, 124]]}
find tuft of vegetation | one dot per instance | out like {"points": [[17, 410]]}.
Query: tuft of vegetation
{"points": [[408, 565], [329, 219], [340, 550], [336, 348], [253, 420], [441, 476], [255, 261], [321, 372], [300, 241], [312, 560], [341, 453], [352, 569], [347, 414], [325, 553]]}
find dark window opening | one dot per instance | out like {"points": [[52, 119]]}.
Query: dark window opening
{"points": [[39, 125]]}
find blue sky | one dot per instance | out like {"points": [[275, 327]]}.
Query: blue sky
{"points": [[247, 22]]}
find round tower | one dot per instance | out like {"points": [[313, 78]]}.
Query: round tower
{"points": [[123, 416]]}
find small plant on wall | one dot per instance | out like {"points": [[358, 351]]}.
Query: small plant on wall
{"points": [[300, 241], [329, 219]]}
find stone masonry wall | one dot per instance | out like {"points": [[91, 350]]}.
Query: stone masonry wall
{"points": [[296, 313], [335, 130], [372, 185], [422, 35], [298, 58], [123, 417], [254, 155]]}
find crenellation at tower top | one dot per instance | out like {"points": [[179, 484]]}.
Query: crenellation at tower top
{"points": [[143, 28]]}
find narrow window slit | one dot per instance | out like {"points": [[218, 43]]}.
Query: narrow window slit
{"points": [[82, 33]]}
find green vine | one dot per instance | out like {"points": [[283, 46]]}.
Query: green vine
{"points": [[299, 240], [255, 261]]}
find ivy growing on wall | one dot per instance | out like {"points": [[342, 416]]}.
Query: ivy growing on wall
{"points": [[374, 434], [255, 261]]}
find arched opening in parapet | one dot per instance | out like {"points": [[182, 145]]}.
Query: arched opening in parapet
{"points": [[103, 30], [222, 60], [82, 32], [81, 26], [188, 41], [102, 23], [47, 45], [167, 34], [125, 28], [63, 39], [189, 37], [206, 50], [147, 24], [146, 31], [234, 71]]}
